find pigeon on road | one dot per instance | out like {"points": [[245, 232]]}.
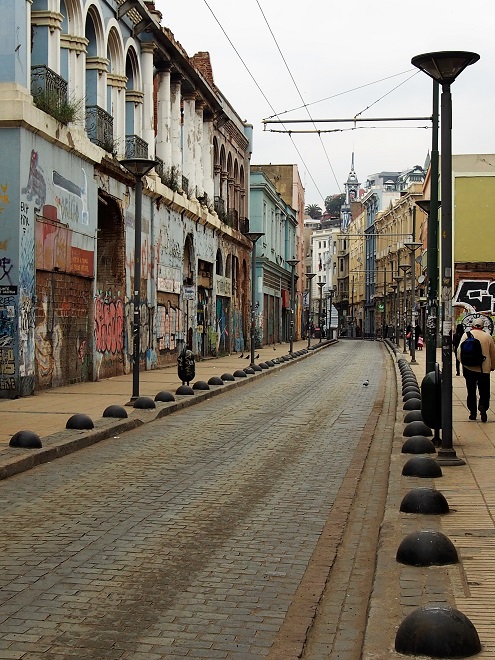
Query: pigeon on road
{"points": [[366, 383]]}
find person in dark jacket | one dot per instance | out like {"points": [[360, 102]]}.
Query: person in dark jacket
{"points": [[459, 331]]}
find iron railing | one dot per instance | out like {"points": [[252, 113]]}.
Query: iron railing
{"points": [[135, 147], [49, 90], [99, 127]]}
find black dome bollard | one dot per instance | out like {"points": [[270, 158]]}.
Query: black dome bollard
{"points": [[262, 365], [215, 380], [256, 367], [418, 444], [227, 377], [248, 370], [421, 466], [416, 428], [144, 403], [201, 385], [164, 397], [269, 363], [411, 395], [118, 412], [185, 390], [239, 373], [25, 440], [80, 422], [409, 380], [427, 548], [413, 416], [428, 501], [411, 387], [412, 404], [439, 632]]}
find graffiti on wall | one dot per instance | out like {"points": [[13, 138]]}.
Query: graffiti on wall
{"points": [[27, 296], [35, 188], [49, 340], [167, 327], [476, 295], [109, 324]]}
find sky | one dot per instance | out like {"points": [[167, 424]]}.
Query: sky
{"points": [[322, 59]]}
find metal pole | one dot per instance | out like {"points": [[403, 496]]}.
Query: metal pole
{"points": [[432, 251], [253, 300], [384, 302], [446, 453], [310, 277], [352, 309], [292, 263], [397, 312], [321, 285], [404, 314], [137, 287]]}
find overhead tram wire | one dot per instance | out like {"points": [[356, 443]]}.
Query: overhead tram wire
{"points": [[300, 96], [262, 92], [348, 91]]}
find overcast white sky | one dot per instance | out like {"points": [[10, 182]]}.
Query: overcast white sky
{"points": [[303, 52]]}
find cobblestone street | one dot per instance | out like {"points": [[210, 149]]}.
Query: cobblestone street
{"points": [[207, 534]]}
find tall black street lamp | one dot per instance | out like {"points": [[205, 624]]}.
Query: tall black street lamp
{"points": [[405, 269], [412, 246], [139, 167], [253, 236], [398, 279], [392, 290], [445, 67], [292, 263], [309, 277], [430, 207], [320, 304]]}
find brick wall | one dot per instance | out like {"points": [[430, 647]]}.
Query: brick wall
{"points": [[63, 331]]}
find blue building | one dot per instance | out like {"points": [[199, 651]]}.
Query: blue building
{"points": [[270, 215]]}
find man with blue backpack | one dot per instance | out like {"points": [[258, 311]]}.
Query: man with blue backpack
{"points": [[476, 353]]}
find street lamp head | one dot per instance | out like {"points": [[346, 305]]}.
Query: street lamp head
{"points": [[321, 285], [253, 236], [292, 262], [398, 278], [424, 205], [444, 66], [404, 267], [412, 245], [138, 166], [310, 275]]}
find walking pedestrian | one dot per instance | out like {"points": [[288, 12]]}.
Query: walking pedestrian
{"points": [[418, 334], [478, 377], [456, 338]]}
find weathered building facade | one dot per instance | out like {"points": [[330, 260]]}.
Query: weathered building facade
{"points": [[84, 86]]}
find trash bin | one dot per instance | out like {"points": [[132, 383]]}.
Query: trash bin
{"points": [[431, 398], [186, 366]]}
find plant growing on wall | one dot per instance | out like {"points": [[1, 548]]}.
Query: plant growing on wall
{"points": [[64, 110]]}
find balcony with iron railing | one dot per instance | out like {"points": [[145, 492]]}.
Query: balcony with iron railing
{"points": [[49, 92], [135, 147], [243, 225], [99, 127]]}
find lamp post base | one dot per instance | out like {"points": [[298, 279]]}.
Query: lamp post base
{"points": [[448, 457], [131, 401]]}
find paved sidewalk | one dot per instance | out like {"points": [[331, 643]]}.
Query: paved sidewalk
{"points": [[469, 585], [47, 413]]}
